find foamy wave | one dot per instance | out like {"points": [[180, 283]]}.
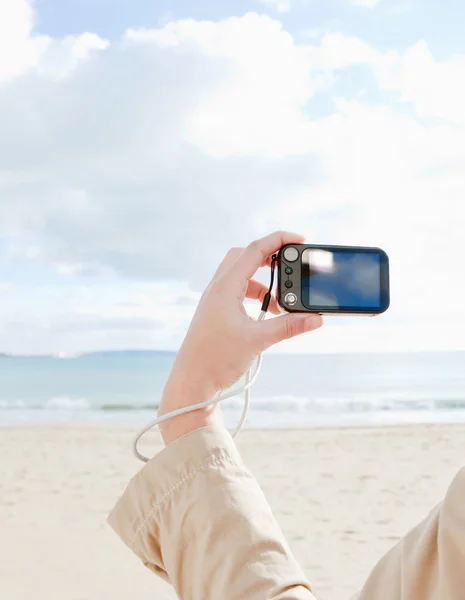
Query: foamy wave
{"points": [[285, 404], [359, 403], [15, 404], [55, 403], [67, 403]]}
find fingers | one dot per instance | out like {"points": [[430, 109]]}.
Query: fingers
{"points": [[229, 259], [257, 291], [259, 251], [289, 326]]}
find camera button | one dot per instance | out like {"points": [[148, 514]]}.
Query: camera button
{"points": [[290, 299], [291, 254], [288, 270], [288, 284]]}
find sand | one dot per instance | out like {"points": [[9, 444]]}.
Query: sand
{"points": [[342, 496]]}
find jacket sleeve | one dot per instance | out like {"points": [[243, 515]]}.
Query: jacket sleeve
{"points": [[429, 562], [197, 517]]}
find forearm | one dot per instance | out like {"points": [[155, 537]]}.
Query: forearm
{"points": [[196, 516]]}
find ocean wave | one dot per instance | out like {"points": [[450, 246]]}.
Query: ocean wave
{"points": [[361, 403], [67, 403], [54, 403], [272, 404]]}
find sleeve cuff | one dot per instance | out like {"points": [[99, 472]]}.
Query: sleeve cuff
{"points": [[174, 466]]}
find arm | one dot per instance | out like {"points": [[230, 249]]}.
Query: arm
{"points": [[429, 562], [194, 514]]}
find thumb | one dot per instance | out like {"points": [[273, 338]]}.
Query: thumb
{"points": [[288, 326]]}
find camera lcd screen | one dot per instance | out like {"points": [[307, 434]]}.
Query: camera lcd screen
{"points": [[343, 279]]}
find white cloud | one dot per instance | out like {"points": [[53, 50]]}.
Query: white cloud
{"points": [[104, 315], [281, 6], [148, 157], [19, 49], [257, 107], [60, 58], [134, 170], [434, 88]]}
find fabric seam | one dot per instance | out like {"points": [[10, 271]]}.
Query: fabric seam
{"points": [[211, 462]]}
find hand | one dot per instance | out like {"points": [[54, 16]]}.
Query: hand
{"points": [[223, 341]]}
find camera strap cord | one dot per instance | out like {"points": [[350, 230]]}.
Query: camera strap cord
{"points": [[250, 379]]}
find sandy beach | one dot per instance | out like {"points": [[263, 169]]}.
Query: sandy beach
{"points": [[342, 496]]}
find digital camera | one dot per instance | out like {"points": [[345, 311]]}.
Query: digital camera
{"points": [[348, 280]]}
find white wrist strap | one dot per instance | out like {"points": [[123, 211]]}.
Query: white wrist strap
{"points": [[249, 381]]}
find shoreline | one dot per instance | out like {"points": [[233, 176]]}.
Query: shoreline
{"points": [[247, 429]]}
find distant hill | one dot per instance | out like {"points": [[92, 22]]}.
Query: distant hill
{"points": [[102, 353]]}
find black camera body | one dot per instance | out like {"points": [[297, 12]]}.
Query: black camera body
{"points": [[333, 280]]}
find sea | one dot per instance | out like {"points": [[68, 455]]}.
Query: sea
{"points": [[292, 390]]}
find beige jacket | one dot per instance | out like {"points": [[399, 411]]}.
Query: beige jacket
{"points": [[196, 516]]}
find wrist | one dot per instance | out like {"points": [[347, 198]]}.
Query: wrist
{"points": [[175, 428], [175, 396]]}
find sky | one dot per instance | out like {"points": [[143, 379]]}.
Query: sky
{"points": [[140, 140]]}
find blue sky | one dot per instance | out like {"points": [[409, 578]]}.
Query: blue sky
{"points": [[127, 125], [398, 23]]}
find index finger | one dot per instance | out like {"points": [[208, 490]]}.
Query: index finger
{"points": [[227, 261], [257, 253]]}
